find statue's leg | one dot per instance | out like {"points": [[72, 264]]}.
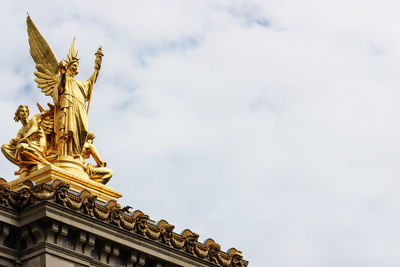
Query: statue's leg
{"points": [[96, 155], [9, 152], [99, 174], [29, 154]]}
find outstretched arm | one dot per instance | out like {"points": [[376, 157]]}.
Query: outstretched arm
{"points": [[93, 78]]}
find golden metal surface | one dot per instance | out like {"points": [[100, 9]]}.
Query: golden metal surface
{"points": [[58, 136], [77, 183]]}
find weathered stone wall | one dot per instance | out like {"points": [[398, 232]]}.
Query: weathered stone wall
{"points": [[48, 234]]}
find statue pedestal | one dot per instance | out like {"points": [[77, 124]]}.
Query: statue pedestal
{"points": [[77, 183], [72, 165]]}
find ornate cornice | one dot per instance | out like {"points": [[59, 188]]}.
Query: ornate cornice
{"points": [[113, 213]]}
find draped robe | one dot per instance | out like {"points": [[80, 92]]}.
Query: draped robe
{"points": [[71, 124], [30, 152]]}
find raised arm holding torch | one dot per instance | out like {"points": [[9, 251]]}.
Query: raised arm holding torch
{"points": [[97, 65]]}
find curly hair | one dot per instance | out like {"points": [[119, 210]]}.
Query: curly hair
{"points": [[90, 136], [16, 114]]}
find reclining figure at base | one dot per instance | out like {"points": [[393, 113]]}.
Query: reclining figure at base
{"points": [[29, 148], [34, 146], [99, 173]]}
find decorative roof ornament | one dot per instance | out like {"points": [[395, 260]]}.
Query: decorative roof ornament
{"points": [[23, 196], [59, 136]]}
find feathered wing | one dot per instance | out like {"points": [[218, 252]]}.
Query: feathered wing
{"points": [[47, 118], [45, 59]]}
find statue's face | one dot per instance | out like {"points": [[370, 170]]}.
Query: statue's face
{"points": [[141, 223], [212, 253], [23, 113], [24, 194], [63, 194], [190, 242], [74, 68]]}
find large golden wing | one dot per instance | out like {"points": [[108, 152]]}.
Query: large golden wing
{"points": [[44, 57]]}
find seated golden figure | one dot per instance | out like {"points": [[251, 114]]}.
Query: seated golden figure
{"points": [[29, 147], [99, 173]]}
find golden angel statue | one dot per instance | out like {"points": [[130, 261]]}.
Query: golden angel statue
{"points": [[67, 136], [56, 79]]}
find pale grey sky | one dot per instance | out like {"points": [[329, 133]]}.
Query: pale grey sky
{"points": [[269, 126]]}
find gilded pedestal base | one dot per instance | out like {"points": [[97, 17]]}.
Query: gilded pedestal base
{"points": [[72, 165], [77, 183]]}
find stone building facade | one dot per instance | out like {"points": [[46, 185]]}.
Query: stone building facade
{"points": [[51, 225]]}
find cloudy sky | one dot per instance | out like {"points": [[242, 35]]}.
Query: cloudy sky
{"points": [[270, 126]]}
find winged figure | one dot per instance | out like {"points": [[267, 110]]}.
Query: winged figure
{"points": [[59, 135], [71, 97]]}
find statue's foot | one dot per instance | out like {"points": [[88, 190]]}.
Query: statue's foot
{"points": [[23, 171]]}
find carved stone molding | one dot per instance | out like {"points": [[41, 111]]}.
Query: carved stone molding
{"points": [[112, 213]]}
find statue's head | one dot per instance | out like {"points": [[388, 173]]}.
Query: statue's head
{"points": [[72, 60], [73, 68], [22, 113], [91, 135]]}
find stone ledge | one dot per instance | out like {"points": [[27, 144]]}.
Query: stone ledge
{"points": [[110, 221]]}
